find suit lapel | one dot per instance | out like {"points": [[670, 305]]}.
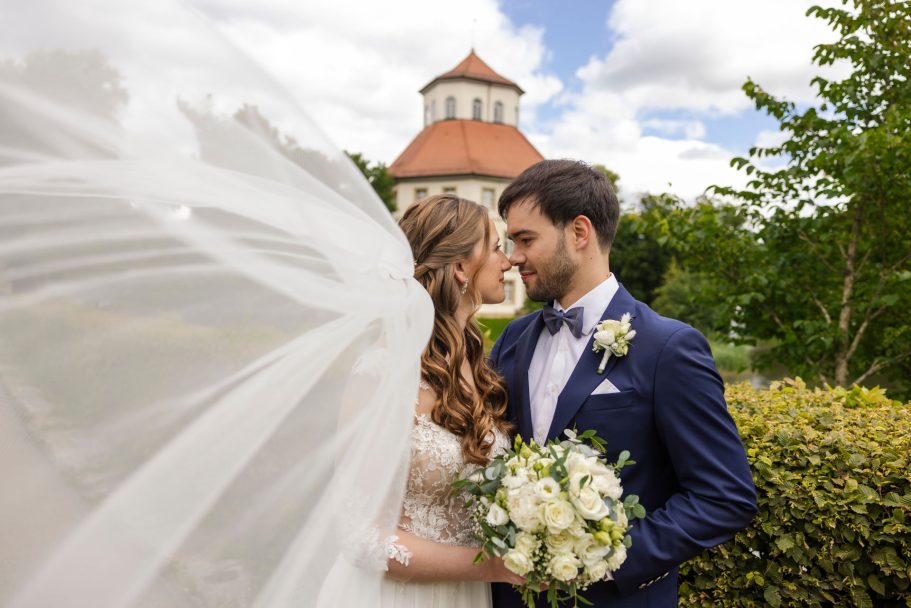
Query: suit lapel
{"points": [[525, 350], [585, 377]]}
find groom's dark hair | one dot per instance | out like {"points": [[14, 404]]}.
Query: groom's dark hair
{"points": [[563, 190]]}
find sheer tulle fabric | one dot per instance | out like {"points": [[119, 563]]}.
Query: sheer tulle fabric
{"points": [[209, 334]]}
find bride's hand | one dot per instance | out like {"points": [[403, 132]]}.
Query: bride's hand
{"points": [[497, 572]]}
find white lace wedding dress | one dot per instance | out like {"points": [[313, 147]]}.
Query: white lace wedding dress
{"points": [[432, 512]]}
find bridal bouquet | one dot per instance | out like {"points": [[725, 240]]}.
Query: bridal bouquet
{"points": [[554, 514]]}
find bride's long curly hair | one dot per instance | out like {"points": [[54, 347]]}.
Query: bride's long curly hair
{"points": [[443, 230]]}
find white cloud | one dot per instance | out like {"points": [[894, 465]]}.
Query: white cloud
{"points": [[770, 139], [356, 67], [691, 129], [644, 108], [690, 59]]}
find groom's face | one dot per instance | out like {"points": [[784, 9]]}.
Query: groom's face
{"points": [[540, 251]]}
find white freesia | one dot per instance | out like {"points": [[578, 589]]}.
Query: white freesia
{"points": [[558, 515], [496, 516], [518, 562]]}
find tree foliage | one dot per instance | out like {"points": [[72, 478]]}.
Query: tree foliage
{"points": [[639, 256], [378, 175], [815, 254]]}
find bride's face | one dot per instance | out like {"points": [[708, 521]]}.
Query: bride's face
{"points": [[490, 278]]}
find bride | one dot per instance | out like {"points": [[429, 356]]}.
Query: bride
{"points": [[212, 333], [460, 417]]}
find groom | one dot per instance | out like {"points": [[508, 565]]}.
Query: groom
{"points": [[663, 401]]}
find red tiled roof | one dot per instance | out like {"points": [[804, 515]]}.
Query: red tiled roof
{"points": [[466, 147], [474, 68]]}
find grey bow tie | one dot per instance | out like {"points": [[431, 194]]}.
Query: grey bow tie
{"points": [[553, 318]]}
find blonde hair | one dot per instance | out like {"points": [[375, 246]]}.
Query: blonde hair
{"points": [[445, 229]]}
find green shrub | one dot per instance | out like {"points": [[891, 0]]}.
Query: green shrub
{"points": [[832, 469]]}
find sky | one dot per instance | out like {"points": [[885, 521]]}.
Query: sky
{"points": [[651, 89]]}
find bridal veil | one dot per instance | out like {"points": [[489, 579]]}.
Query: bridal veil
{"points": [[209, 330]]}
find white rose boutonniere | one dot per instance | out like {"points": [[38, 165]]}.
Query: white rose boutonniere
{"points": [[613, 337]]}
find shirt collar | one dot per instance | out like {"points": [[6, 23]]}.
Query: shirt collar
{"points": [[595, 302]]}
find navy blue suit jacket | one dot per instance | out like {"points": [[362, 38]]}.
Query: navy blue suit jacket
{"points": [[691, 472]]}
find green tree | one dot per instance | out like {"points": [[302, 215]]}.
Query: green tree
{"points": [[640, 255], [611, 175], [687, 295], [378, 176], [817, 255]]}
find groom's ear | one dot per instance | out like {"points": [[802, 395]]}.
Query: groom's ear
{"points": [[583, 232]]}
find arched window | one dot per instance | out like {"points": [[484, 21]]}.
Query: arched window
{"points": [[498, 112], [450, 107], [476, 109]]}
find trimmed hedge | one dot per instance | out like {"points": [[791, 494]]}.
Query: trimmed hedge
{"points": [[832, 469]]}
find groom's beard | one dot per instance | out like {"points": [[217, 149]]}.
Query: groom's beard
{"points": [[554, 277]]}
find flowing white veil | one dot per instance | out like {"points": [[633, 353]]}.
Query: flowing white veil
{"points": [[209, 330]]}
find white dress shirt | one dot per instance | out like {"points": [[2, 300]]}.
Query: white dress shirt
{"points": [[556, 356]]}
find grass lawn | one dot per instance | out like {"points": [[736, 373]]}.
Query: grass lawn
{"points": [[492, 328]]}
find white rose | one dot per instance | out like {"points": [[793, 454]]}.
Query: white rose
{"points": [[518, 562], [589, 550], [596, 570], [617, 558], [564, 567], [497, 516], [547, 488], [589, 504], [558, 515], [559, 543], [527, 543]]}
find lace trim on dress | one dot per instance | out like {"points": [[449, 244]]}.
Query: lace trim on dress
{"points": [[397, 551]]}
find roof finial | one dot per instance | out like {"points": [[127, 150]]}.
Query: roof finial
{"points": [[474, 24]]}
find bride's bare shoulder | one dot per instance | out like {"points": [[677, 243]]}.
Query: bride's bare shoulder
{"points": [[427, 398]]}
